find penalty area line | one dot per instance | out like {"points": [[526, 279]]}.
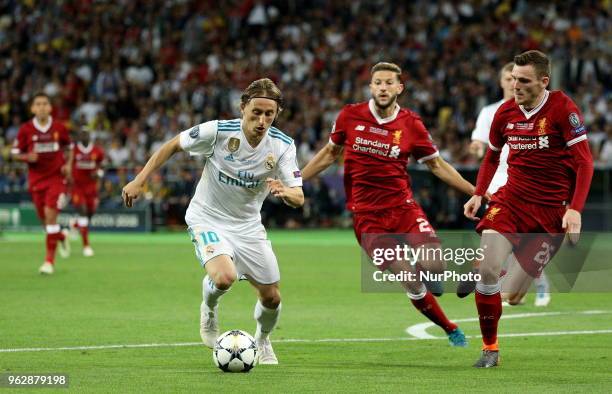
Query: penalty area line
{"points": [[288, 340]]}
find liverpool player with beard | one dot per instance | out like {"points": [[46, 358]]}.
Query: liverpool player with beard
{"points": [[44, 145], [549, 174], [377, 138], [86, 172]]}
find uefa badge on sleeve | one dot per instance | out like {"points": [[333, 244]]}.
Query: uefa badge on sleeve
{"points": [[194, 132]]}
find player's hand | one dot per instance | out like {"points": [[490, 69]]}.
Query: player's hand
{"points": [[488, 196], [471, 207], [277, 188], [572, 222], [477, 149], [31, 157], [131, 192], [67, 173]]}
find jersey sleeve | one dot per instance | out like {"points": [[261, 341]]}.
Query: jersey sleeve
{"points": [[20, 145], [288, 170], [571, 123], [423, 148], [483, 125], [338, 133], [200, 139], [496, 134]]}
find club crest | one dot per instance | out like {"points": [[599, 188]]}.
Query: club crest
{"points": [[270, 162]]}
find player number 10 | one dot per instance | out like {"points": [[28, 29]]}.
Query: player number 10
{"points": [[209, 237]]}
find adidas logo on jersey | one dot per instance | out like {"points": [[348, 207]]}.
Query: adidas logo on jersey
{"points": [[229, 157]]}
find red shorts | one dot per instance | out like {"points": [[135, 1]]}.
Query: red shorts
{"points": [[409, 222], [52, 195], [86, 195], [534, 230]]}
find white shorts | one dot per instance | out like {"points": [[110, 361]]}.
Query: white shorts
{"points": [[252, 255]]}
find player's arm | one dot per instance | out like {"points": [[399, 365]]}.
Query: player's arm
{"points": [[447, 173], [67, 167], [574, 132], [292, 196], [132, 190], [480, 135], [488, 167], [323, 159], [19, 149]]}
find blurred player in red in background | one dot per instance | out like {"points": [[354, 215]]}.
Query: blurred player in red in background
{"points": [[44, 144], [377, 138], [549, 175], [86, 172]]}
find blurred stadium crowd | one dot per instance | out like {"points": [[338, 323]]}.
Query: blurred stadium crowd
{"points": [[138, 72]]}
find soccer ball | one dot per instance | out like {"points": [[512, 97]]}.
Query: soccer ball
{"points": [[235, 351]]}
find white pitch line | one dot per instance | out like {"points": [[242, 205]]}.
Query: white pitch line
{"points": [[324, 340], [420, 330]]}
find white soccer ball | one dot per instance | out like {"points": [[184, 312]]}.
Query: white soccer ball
{"points": [[235, 351]]}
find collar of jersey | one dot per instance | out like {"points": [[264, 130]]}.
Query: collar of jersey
{"points": [[40, 128], [85, 149], [537, 108], [380, 120], [246, 141]]}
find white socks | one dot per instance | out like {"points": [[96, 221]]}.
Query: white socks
{"points": [[211, 293], [488, 289], [418, 296], [542, 284], [266, 320]]}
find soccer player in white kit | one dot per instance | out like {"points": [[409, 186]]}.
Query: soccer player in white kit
{"points": [[246, 159], [480, 140]]}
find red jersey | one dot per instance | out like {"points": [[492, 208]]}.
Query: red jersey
{"points": [[376, 153], [541, 165], [87, 161], [49, 143]]}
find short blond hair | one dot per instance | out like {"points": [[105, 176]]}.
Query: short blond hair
{"points": [[386, 66]]}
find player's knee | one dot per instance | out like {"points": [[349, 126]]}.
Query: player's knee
{"points": [[515, 298], [224, 280], [271, 299], [433, 266], [488, 274]]}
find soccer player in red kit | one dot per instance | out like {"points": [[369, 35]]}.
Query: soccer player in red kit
{"points": [[377, 138], [44, 145], [86, 172], [549, 174]]}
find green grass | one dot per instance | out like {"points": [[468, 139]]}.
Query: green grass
{"points": [[142, 289]]}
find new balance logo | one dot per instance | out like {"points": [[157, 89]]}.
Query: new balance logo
{"points": [[360, 127], [543, 142]]}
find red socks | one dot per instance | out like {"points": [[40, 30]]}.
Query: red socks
{"points": [[53, 237], [428, 305], [489, 312]]}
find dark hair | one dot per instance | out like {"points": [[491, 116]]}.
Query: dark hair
{"points": [[537, 59], [263, 88], [385, 66], [39, 94]]}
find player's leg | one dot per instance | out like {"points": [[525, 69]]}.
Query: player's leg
{"points": [[425, 302], [52, 200], [496, 249], [215, 254], [515, 283], [86, 211], [542, 285], [266, 314], [256, 260], [220, 275]]}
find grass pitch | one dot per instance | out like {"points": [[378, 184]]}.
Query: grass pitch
{"points": [[128, 322]]}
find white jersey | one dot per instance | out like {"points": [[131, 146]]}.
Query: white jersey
{"points": [[481, 133], [233, 187]]}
